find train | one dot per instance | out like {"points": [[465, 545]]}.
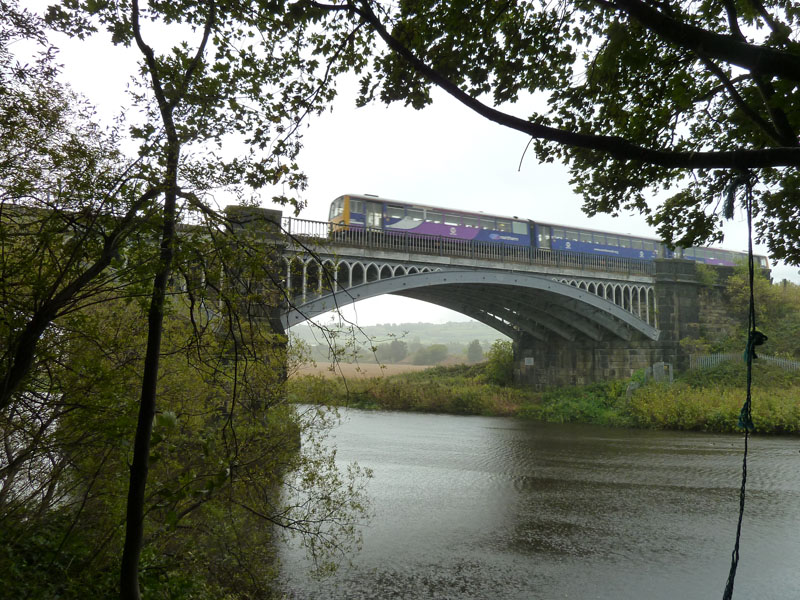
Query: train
{"points": [[355, 211]]}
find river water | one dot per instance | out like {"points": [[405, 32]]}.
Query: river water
{"points": [[480, 507]]}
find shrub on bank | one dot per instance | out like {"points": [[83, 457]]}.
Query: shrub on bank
{"points": [[703, 400], [599, 403], [679, 406]]}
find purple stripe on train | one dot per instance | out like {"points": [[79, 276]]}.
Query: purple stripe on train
{"points": [[458, 232]]}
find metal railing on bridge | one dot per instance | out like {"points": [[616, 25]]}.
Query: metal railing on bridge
{"points": [[705, 361], [402, 241]]}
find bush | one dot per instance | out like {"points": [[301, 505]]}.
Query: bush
{"points": [[430, 355], [500, 365], [474, 352]]}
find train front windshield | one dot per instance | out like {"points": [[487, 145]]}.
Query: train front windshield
{"points": [[337, 208]]}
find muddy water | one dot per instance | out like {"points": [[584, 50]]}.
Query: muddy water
{"points": [[473, 507]]}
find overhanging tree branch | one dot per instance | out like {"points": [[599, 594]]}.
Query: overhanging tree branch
{"points": [[728, 48], [613, 146], [24, 348]]}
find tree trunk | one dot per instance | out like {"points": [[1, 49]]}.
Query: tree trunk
{"points": [[134, 524]]}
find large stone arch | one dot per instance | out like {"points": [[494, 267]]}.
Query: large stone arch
{"points": [[530, 303]]}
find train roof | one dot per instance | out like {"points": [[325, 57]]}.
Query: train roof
{"points": [[375, 198], [442, 208]]}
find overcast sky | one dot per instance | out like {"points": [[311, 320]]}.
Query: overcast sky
{"points": [[443, 155], [447, 155]]}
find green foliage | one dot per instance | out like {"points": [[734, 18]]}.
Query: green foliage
{"points": [[640, 97], [224, 443], [710, 400], [600, 404], [430, 355], [112, 322], [777, 312], [459, 389], [734, 374], [500, 363], [706, 400], [35, 564], [474, 352], [393, 352], [706, 274]]}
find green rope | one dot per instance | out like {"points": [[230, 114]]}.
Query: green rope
{"points": [[754, 338]]}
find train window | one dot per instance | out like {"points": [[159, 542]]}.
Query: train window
{"points": [[571, 234], [357, 206], [417, 214], [395, 212], [487, 223], [624, 242], [337, 208], [374, 214], [636, 244], [558, 233], [471, 222], [648, 245], [451, 219], [503, 225], [586, 236], [519, 227], [612, 240], [598, 238], [433, 216]]}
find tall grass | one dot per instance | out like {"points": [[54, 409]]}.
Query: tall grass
{"points": [[703, 400], [459, 390]]}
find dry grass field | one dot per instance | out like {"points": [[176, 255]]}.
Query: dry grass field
{"points": [[365, 369]]}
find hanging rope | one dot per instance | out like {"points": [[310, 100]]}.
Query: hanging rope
{"points": [[754, 338]]}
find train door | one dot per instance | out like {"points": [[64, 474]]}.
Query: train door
{"points": [[374, 215], [542, 235]]}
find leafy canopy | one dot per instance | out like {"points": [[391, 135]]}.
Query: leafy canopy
{"points": [[95, 243], [641, 96]]}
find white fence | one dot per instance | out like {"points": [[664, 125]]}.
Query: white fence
{"points": [[704, 361]]}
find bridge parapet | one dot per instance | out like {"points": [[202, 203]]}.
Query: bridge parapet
{"points": [[327, 235]]}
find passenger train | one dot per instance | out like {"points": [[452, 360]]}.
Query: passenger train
{"points": [[373, 212]]}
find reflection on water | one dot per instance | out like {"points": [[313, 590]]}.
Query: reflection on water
{"points": [[473, 507]]}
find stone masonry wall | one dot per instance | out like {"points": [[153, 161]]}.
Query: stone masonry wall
{"points": [[686, 308]]}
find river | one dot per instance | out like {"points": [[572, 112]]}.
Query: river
{"points": [[481, 507]]}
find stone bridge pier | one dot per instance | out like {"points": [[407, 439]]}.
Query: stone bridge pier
{"points": [[686, 308]]}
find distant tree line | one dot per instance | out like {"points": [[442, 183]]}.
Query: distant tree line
{"points": [[398, 351]]}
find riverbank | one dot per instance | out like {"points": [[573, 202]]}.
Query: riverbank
{"points": [[703, 400]]}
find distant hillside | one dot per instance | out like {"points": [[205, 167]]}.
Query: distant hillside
{"points": [[452, 334]]}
